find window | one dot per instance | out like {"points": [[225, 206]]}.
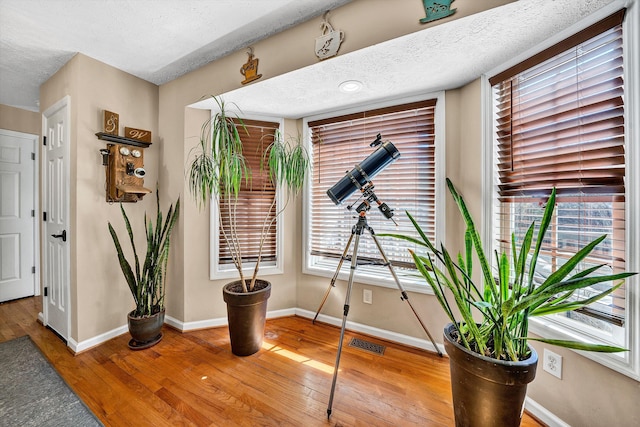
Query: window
{"points": [[254, 205], [408, 184], [559, 120]]}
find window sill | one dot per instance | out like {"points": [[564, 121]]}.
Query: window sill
{"points": [[368, 277], [232, 273]]}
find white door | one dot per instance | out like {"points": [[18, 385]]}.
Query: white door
{"points": [[17, 215], [55, 215]]}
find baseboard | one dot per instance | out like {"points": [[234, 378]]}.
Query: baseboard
{"points": [[542, 414], [81, 346], [217, 322], [375, 332]]}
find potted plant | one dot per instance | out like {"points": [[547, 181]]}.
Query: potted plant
{"points": [[217, 172], [491, 362], [147, 281]]}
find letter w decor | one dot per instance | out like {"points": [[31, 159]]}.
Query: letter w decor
{"points": [[138, 134]]}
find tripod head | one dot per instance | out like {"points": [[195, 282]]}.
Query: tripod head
{"points": [[369, 198]]}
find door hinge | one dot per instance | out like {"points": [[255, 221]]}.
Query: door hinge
{"points": [[44, 140], [44, 216], [33, 269], [33, 212], [46, 291], [33, 156]]}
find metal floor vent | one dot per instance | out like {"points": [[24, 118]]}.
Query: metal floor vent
{"points": [[367, 346]]}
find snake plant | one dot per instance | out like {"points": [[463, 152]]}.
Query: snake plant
{"points": [[147, 281], [508, 296]]}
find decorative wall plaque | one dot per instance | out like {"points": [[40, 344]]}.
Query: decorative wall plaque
{"points": [[437, 9], [329, 42], [138, 134], [250, 69], [111, 122]]}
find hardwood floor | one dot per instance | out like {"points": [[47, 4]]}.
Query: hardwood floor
{"points": [[193, 379]]}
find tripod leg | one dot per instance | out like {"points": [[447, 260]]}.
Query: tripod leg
{"points": [[354, 263], [335, 276], [405, 297]]}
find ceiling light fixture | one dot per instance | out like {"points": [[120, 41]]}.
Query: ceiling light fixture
{"points": [[350, 86]]}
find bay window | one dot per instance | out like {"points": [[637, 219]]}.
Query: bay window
{"points": [[407, 184], [560, 121], [253, 205]]}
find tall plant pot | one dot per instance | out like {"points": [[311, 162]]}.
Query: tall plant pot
{"points": [[247, 313], [145, 331], [487, 392]]}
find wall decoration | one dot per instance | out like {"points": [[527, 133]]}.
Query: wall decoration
{"points": [[125, 173], [137, 134], [329, 42], [437, 9], [124, 161], [250, 69], [111, 122]]}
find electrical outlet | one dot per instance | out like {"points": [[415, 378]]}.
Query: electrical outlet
{"points": [[552, 363], [367, 296]]}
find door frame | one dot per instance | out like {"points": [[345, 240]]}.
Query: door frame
{"points": [[36, 203], [66, 104]]}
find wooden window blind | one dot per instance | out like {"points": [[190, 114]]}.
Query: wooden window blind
{"points": [[339, 144], [255, 200], [560, 122]]}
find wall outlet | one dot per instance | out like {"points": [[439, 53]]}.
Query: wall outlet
{"points": [[367, 296], [552, 363]]}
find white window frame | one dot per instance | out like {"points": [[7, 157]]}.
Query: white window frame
{"points": [[627, 363], [229, 271], [317, 266]]}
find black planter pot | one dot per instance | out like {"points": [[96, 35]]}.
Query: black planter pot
{"points": [[246, 313], [487, 392], [145, 331]]}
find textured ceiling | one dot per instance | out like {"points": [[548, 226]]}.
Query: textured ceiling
{"points": [[156, 40], [159, 40], [458, 53]]}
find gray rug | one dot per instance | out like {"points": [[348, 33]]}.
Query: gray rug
{"points": [[33, 394]]}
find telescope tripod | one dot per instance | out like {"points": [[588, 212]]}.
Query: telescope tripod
{"points": [[356, 232]]}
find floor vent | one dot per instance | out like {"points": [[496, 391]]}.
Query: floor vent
{"points": [[367, 346]]}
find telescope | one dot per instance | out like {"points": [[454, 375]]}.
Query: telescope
{"points": [[363, 172]]}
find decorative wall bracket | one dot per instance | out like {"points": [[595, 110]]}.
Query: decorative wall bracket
{"points": [[250, 69], [329, 42], [437, 9]]}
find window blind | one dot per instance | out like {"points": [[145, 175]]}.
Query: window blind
{"points": [[255, 200], [339, 144], [560, 122]]}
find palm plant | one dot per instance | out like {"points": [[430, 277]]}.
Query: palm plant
{"points": [[147, 282], [219, 169], [509, 296]]}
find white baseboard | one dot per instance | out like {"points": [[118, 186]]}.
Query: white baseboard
{"points": [[220, 321], [78, 347], [542, 414], [375, 332]]}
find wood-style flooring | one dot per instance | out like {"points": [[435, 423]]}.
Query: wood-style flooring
{"points": [[193, 379]]}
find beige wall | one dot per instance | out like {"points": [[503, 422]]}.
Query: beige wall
{"points": [[19, 120], [102, 299], [179, 125]]}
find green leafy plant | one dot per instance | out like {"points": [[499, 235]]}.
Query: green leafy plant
{"points": [[147, 282], [509, 295], [219, 169]]}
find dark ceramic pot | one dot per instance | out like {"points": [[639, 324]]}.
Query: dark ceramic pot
{"points": [[247, 313], [487, 392], [145, 331]]}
